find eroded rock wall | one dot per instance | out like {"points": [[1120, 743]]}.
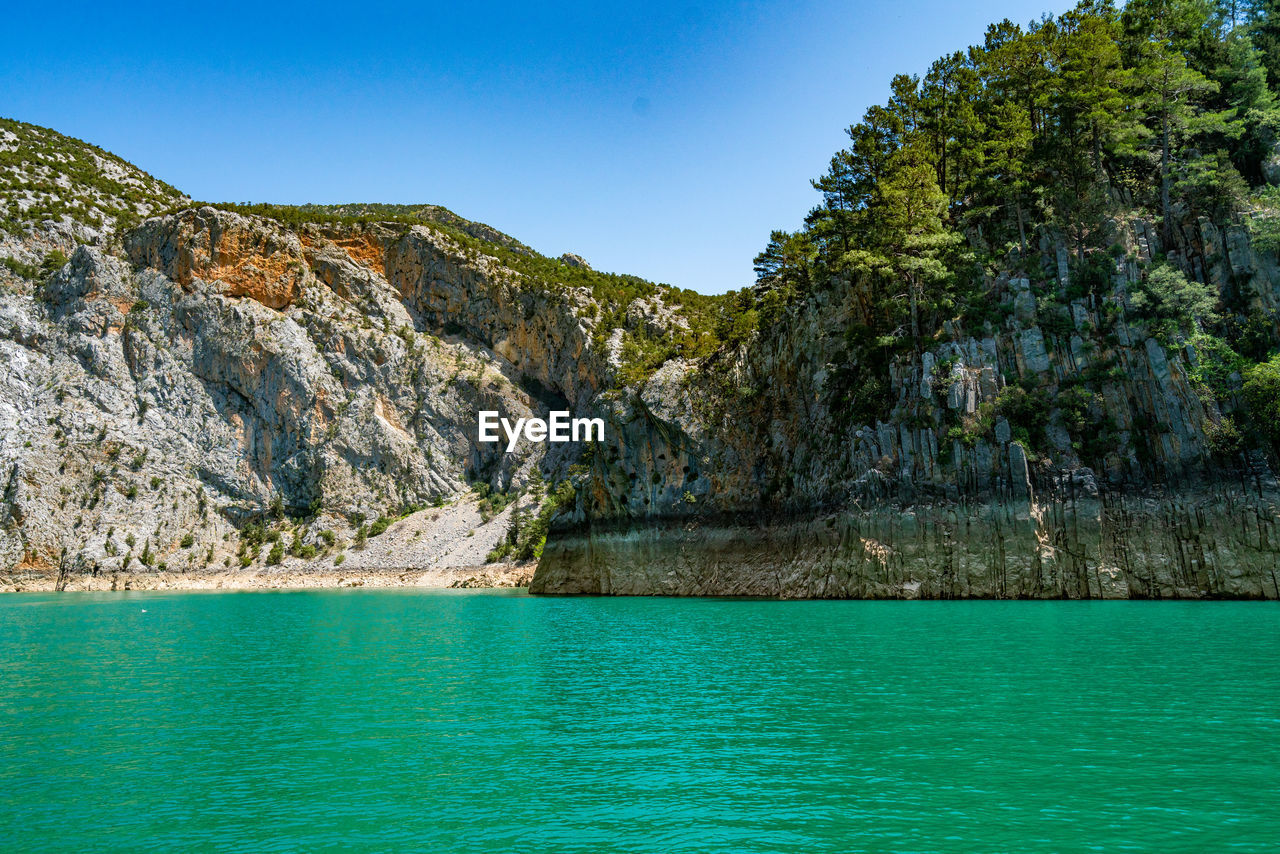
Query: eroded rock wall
{"points": [[1121, 492], [229, 364]]}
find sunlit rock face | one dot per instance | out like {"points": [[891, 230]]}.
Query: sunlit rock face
{"points": [[219, 363]]}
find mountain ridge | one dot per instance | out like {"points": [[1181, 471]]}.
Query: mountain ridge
{"points": [[1023, 349]]}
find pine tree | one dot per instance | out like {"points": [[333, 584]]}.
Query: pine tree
{"points": [[785, 264], [949, 121], [1086, 103], [1251, 118], [1168, 87], [1264, 29], [849, 188], [516, 526], [911, 240]]}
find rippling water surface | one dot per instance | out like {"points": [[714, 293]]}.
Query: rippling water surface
{"points": [[496, 721]]}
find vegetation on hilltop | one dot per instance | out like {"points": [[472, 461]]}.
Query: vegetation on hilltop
{"points": [[367, 212], [45, 175], [643, 351], [1044, 135]]}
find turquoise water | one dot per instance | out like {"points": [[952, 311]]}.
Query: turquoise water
{"points": [[480, 720]]}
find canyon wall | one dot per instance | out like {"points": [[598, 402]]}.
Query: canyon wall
{"points": [[752, 478], [169, 383]]}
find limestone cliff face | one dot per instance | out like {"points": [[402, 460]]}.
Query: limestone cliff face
{"points": [[541, 332], [225, 363], [182, 377], [245, 257], [752, 477]]}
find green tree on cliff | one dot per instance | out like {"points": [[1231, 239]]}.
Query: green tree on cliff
{"points": [[910, 240]]}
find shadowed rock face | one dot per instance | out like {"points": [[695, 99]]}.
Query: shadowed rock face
{"points": [[1219, 543], [755, 480], [538, 331]]}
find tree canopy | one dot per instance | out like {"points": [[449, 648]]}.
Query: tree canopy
{"points": [[1042, 131]]}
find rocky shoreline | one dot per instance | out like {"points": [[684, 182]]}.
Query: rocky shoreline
{"points": [[296, 577], [1214, 542]]}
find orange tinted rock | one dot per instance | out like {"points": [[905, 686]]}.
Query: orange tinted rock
{"points": [[245, 256]]}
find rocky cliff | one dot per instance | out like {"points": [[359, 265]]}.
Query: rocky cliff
{"points": [[149, 406], [204, 387], [182, 393], [1061, 447]]}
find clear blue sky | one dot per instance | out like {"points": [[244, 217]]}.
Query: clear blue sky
{"points": [[663, 139]]}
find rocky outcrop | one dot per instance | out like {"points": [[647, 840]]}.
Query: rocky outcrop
{"points": [[1056, 449], [243, 256], [156, 405], [575, 261], [544, 333]]}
